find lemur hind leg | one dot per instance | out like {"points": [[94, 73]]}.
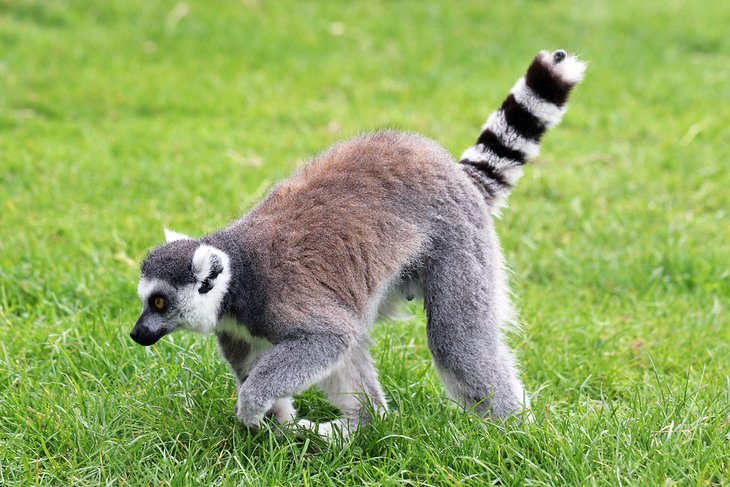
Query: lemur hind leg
{"points": [[354, 388], [467, 307]]}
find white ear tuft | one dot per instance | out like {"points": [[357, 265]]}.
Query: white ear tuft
{"points": [[171, 236], [201, 303], [209, 262]]}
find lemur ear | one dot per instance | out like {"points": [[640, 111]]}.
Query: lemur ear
{"points": [[208, 263], [171, 236]]}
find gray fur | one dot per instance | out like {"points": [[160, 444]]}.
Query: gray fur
{"points": [[292, 289], [165, 262], [354, 387], [235, 351]]}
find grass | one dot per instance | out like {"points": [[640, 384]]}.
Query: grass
{"points": [[119, 117]]}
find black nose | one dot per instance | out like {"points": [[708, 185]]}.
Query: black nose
{"points": [[559, 56], [145, 336]]}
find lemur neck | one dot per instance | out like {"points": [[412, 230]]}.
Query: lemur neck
{"points": [[243, 299]]}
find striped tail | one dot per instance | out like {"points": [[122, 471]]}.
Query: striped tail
{"points": [[512, 134]]}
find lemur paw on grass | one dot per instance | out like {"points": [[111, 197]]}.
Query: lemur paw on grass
{"points": [[293, 287]]}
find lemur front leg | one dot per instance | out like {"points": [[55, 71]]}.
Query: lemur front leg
{"points": [[242, 356], [301, 359]]}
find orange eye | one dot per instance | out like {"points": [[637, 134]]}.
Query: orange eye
{"points": [[159, 303]]}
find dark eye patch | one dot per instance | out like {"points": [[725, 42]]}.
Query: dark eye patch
{"points": [[159, 303]]}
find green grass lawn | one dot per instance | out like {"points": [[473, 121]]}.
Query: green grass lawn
{"points": [[119, 117]]}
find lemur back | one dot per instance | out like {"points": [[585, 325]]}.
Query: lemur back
{"points": [[292, 288], [344, 228]]}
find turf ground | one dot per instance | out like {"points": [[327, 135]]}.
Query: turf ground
{"points": [[119, 117]]}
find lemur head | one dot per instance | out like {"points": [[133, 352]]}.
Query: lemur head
{"points": [[182, 286]]}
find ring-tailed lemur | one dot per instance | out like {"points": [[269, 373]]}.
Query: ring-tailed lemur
{"points": [[291, 289]]}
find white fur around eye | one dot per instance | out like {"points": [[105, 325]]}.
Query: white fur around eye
{"points": [[146, 287]]}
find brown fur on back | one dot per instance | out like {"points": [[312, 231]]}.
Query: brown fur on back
{"points": [[343, 226]]}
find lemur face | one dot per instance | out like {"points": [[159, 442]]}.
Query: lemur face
{"points": [[182, 286]]}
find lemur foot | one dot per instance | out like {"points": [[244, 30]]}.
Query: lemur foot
{"points": [[281, 412], [328, 430], [251, 415]]}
